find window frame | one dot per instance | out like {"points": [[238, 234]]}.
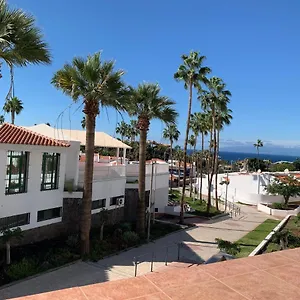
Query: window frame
{"points": [[103, 201], [54, 184], [27, 221], [48, 209], [22, 186], [116, 197]]}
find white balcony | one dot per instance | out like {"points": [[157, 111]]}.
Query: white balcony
{"points": [[133, 170]]}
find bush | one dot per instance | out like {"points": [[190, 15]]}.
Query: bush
{"points": [[73, 241], [278, 205], [24, 268], [130, 238], [228, 247], [125, 227], [59, 257]]}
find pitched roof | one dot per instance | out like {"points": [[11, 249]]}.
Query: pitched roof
{"points": [[101, 138], [12, 134]]}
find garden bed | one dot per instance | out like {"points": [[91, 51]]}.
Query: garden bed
{"points": [[35, 258], [199, 207], [279, 210]]}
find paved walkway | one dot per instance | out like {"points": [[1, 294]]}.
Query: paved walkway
{"points": [[199, 245]]}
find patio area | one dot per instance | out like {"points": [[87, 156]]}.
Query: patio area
{"points": [[273, 276]]}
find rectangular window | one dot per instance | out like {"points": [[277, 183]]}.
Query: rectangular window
{"points": [[16, 172], [117, 200], [49, 214], [14, 221], [50, 171], [98, 203]]}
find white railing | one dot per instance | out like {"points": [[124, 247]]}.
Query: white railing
{"points": [[103, 172], [133, 170]]}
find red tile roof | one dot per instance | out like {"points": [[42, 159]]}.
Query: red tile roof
{"points": [[12, 134]]}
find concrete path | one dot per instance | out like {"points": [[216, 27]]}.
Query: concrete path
{"points": [[199, 245]]}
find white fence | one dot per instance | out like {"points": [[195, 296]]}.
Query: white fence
{"points": [[133, 170]]}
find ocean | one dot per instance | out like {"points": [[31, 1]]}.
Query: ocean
{"points": [[233, 156]]}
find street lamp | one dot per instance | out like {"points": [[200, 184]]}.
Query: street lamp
{"points": [[258, 172]]}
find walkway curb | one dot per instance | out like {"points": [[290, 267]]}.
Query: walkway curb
{"points": [[269, 237]]}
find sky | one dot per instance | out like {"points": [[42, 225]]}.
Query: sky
{"points": [[252, 45]]}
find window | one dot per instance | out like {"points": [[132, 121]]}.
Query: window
{"points": [[116, 200], [16, 172], [50, 171], [48, 214], [14, 221], [156, 209], [98, 203]]}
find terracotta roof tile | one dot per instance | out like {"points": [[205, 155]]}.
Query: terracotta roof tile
{"points": [[12, 134]]}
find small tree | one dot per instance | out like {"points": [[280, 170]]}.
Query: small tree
{"points": [[286, 187], [8, 235], [103, 215]]}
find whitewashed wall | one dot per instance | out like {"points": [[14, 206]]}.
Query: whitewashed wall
{"points": [[35, 199], [72, 162]]}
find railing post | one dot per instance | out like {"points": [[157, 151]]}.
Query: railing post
{"points": [[166, 260], [153, 255], [135, 266], [178, 254]]}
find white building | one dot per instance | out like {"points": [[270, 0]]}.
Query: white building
{"points": [[41, 168]]}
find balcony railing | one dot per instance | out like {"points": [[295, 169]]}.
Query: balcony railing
{"points": [[102, 172], [133, 170]]}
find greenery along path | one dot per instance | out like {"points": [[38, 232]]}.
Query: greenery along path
{"points": [[251, 240]]}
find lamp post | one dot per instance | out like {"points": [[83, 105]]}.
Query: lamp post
{"points": [[258, 172]]}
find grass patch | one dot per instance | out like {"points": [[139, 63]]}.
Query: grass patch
{"points": [[251, 240], [197, 205]]}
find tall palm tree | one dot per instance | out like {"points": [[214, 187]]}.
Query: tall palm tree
{"points": [[171, 133], [122, 129], [223, 117], [2, 119], [192, 141], [133, 130], [216, 99], [179, 157], [21, 42], [96, 84], [192, 73], [83, 122], [147, 104], [13, 106], [257, 145]]}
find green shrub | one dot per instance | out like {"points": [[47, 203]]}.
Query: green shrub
{"points": [[59, 257], [228, 247], [278, 205], [73, 241], [130, 238], [24, 268], [125, 226]]}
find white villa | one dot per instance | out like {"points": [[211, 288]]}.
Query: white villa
{"points": [[42, 173]]}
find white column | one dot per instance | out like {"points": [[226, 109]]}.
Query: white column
{"points": [[118, 154], [124, 155]]}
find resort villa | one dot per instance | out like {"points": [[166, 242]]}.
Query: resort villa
{"points": [[42, 176]]}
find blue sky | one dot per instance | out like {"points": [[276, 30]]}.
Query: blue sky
{"points": [[253, 45]]}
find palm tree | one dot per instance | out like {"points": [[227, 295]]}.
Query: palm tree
{"points": [[223, 117], [192, 142], [133, 130], [179, 157], [21, 42], [122, 129], [171, 133], [214, 100], [192, 73], [258, 145], [96, 84], [146, 104], [13, 106], [2, 120], [83, 123]]}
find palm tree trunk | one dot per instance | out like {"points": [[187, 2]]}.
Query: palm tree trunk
{"points": [[171, 157], [217, 169], [179, 164], [184, 151], [140, 225], [88, 177], [12, 117], [101, 231], [192, 173], [8, 261], [201, 165]]}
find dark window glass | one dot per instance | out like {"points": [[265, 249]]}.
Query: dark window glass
{"points": [[48, 214], [50, 171], [116, 200], [156, 209], [16, 172], [14, 221], [98, 203]]}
